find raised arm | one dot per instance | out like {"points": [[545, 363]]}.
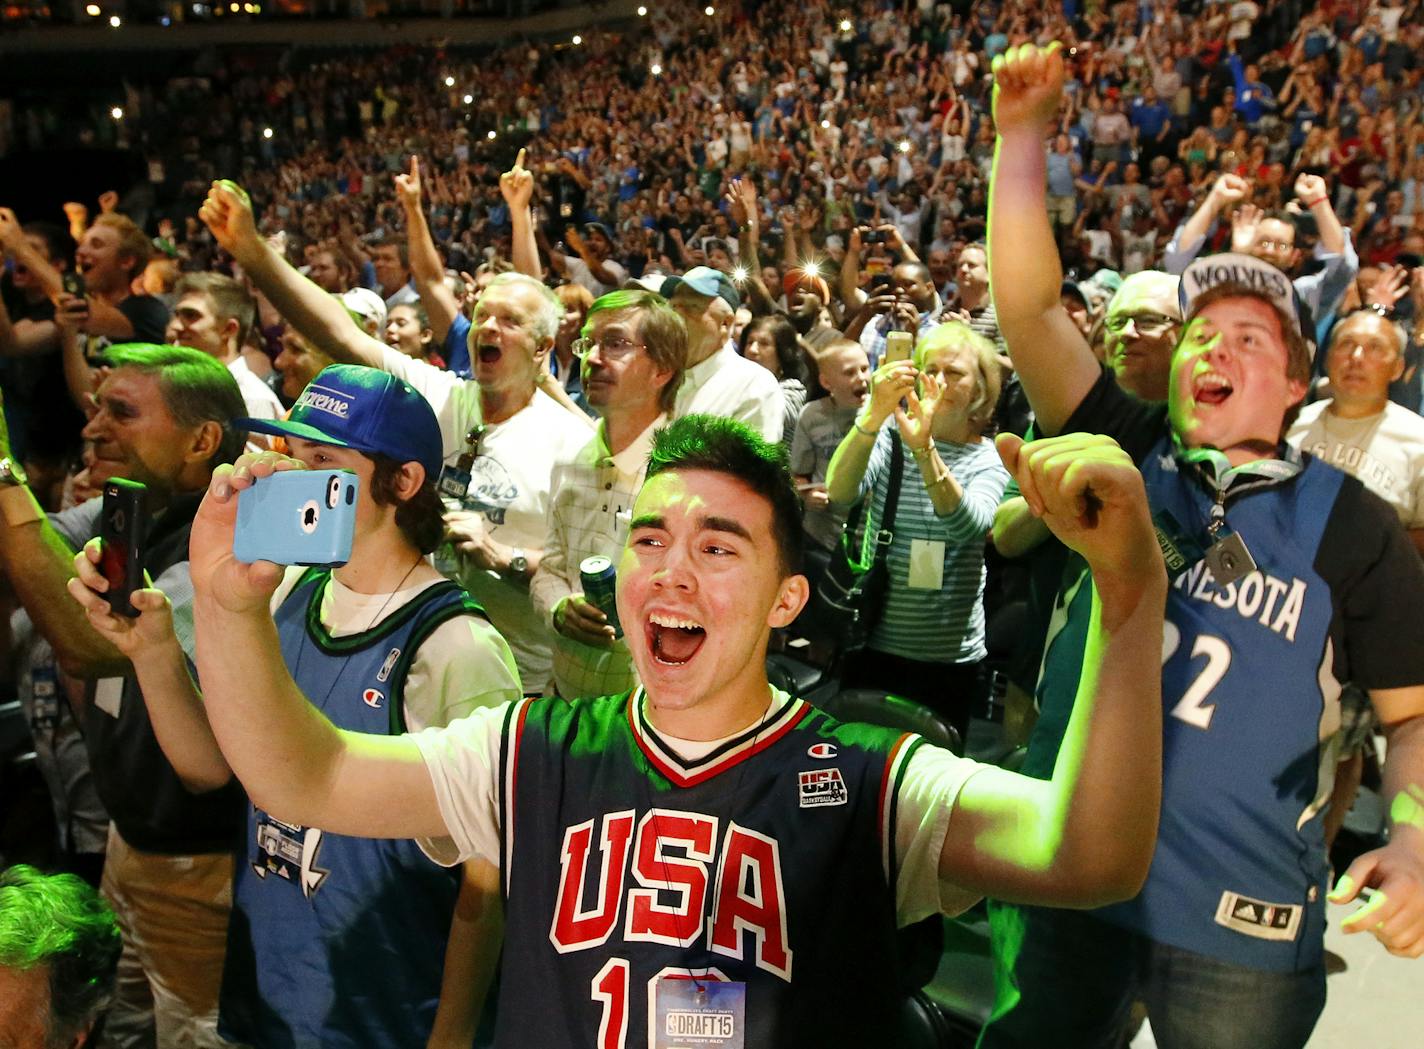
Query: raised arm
{"points": [[1053, 361], [292, 761], [175, 709], [742, 198], [319, 317], [517, 187], [12, 239], [1227, 191], [26, 338], [1085, 837], [1314, 196], [425, 265]]}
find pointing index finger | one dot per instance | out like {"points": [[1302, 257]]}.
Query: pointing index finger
{"points": [[519, 160]]}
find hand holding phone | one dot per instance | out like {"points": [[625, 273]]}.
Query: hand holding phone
{"points": [[899, 345], [297, 517], [122, 522]]}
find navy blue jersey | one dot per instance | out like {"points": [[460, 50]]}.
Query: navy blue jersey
{"points": [[1250, 688], [338, 941], [769, 862]]}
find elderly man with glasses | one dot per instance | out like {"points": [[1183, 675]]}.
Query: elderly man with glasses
{"points": [[1142, 324]]}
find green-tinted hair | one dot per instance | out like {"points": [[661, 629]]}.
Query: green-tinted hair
{"points": [[725, 446], [196, 389], [662, 329], [59, 921]]}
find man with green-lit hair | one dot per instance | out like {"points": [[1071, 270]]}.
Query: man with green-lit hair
{"points": [[59, 951]]}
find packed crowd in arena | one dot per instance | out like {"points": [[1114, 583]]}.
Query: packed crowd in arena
{"points": [[460, 512]]}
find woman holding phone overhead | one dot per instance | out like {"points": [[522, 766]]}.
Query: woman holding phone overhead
{"points": [[929, 642], [382, 644]]}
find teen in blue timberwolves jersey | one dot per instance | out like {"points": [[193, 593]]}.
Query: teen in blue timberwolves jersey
{"points": [[1250, 682], [324, 921], [1288, 578]]}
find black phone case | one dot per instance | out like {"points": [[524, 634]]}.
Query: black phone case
{"points": [[121, 530]]}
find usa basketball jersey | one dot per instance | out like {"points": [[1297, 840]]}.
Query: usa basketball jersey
{"points": [[769, 862], [339, 941], [1250, 701]]}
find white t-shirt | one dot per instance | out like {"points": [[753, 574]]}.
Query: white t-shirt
{"points": [[733, 387], [509, 486], [1385, 451], [257, 398], [579, 273], [462, 666], [463, 761]]}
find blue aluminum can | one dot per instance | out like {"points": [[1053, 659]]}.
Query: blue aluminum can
{"points": [[599, 579]]}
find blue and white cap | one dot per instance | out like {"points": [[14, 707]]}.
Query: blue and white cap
{"points": [[366, 409]]}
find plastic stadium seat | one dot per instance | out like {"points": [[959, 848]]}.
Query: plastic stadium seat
{"points": [[873, 706]]}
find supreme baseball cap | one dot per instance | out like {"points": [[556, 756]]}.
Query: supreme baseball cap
{"points": [[366, 409], [705, 281], [1246, 271]]}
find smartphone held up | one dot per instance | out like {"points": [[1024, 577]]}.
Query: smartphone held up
{"points": [[122, 523], [297, 517]]}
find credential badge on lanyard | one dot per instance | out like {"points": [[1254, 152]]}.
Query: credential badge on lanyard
{"points": [[455, 480]]}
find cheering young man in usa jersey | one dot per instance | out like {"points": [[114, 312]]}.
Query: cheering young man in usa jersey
{"points": [[704, 855]]}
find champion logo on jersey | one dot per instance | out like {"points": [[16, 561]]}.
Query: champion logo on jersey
{"points": [[821, 787], [824, 751], [373, 698]]}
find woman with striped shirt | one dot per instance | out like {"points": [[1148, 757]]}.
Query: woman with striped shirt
{"points": [[929, 643]]}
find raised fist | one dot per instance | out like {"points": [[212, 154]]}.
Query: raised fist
{"points": [[1028, 87]]}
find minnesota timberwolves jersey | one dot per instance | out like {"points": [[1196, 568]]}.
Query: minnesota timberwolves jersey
{"points": [[1250, 701], [339, 941], [768, 863]]}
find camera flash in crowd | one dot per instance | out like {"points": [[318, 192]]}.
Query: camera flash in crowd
{"points": [[739, 274], [709, 10], [811, 268], [117, 113], [115, 21], [92, 11], [577, 40], [825, 123], [642, 12], [845, 25], [904, 146], [449, 81], [469, 99], [655, 69], [266, 132], [490, 135]]}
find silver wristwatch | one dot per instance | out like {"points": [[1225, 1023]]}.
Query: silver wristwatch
{"points": [[12, 474], [518, 561]]}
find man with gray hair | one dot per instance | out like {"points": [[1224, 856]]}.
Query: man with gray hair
{"points": [[501, 434], [59, 952]]}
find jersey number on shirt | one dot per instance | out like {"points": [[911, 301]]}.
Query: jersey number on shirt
{"points": [[610, 990], [1193, 707]]}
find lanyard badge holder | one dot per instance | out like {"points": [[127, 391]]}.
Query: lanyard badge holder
{"points": [[1227, 558], [455, 480]]}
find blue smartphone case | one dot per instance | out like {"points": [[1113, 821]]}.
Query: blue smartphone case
{"points": [[297, 517]]}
